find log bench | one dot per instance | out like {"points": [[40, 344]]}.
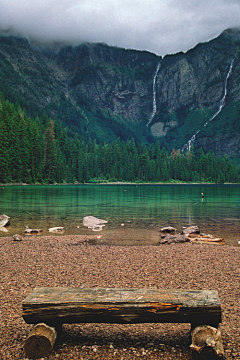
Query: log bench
{"points": [[49, 308]]}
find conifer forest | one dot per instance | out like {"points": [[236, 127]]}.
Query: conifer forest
{"points": [[39, 150]]}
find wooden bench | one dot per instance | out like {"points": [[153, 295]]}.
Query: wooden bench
{"points": [[59, 305]]}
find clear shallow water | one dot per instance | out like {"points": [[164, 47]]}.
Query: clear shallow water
{"points": [[143, 209]]}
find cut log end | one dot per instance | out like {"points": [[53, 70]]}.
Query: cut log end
{"points": [[207, 337], [40, 341]]}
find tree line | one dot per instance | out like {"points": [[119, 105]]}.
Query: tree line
{"points": [[39, 150]]}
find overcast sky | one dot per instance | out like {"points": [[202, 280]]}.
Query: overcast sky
{"points": [[159, 26]]}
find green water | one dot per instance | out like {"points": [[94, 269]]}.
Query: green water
{"points": [[134, 213]]}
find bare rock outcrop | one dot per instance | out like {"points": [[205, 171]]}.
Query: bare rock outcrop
{"points": [[178, 238]]}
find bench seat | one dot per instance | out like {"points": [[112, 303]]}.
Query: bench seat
{"points": [[58, 305]]}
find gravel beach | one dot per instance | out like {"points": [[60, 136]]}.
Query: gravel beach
{"points": [[71, 261]]}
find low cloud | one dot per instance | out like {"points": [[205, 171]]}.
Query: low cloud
{"points": [[162, 27]]}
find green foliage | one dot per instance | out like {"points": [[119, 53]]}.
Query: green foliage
{"points": [[189, 122], [40, 151]]}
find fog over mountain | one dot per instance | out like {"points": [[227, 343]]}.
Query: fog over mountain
{"points": [[162, 27], [103, 92]]}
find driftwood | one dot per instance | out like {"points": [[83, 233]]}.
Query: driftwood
{"points": [[57, 229], [207, 337], [32, 231], [205, 238], [40, 341], [191, 233]]}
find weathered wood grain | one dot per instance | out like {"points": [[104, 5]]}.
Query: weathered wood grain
{"points": [[78, 305], [207, 337], [40, 341]]}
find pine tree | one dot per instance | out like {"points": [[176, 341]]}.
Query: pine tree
{"points": [[50, 159]]}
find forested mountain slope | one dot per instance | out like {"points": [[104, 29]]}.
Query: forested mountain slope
{"points": [[39, 151], [104, 93]]}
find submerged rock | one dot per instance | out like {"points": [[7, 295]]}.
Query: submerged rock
{"points": [[91, 222]]}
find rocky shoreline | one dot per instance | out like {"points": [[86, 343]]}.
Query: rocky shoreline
{"points": [[71, 261]]}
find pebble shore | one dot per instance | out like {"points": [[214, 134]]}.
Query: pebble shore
{"points": [[71, 261]]}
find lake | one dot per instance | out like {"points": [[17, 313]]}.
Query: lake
{"points": [[135, 213]]}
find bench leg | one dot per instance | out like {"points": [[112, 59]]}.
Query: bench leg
{"points": [[207, 337], [40, 341]]}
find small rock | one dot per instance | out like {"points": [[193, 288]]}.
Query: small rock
{"points": [[168, 229], [96, 228], [17, 237], [191, 230]]}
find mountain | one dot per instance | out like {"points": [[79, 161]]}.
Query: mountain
{"points": [[102, 92]]}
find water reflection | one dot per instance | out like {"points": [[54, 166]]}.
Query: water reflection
{"points": [[147, 207]]}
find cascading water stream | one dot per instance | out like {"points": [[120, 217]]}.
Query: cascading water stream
{"points": [[187, 147], [154, 95], [222, 102]]}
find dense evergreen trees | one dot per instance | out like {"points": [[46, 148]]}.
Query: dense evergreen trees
{"points": [[39, 151]]}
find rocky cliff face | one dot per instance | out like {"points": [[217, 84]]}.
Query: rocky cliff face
{"points": [[116, 80], [105, 92], [191, 88]]}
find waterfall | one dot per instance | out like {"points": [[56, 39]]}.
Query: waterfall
{"points": [[187, 147], [222, 102], [221, 105], [154, 95]]}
